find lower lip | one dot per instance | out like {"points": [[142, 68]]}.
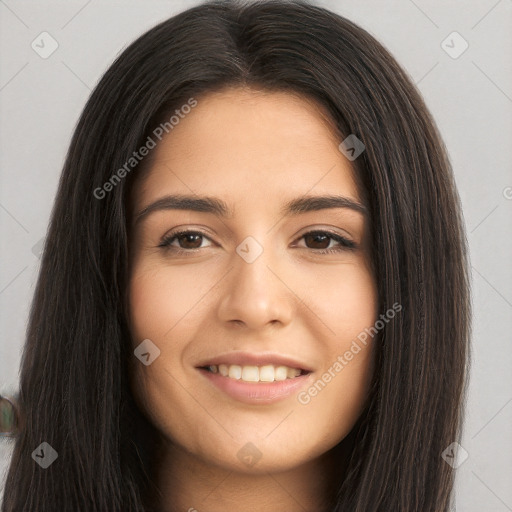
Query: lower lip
{"points": [[257, 392]]}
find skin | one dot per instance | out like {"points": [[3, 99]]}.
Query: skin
{"points": [[254, 150]]}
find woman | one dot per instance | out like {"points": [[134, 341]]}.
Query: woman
{"points": [[267, 369]]}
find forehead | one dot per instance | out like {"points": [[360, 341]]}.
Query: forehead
{"points": [[250, 146]]}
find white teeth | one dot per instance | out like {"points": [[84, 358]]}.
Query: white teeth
{"points": [[250, 373], [235, 372], [267, 373], [280, 373]]}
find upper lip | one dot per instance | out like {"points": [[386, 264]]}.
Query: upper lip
{"points": [[255, 359]]}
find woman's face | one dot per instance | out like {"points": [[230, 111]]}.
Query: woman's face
{"points": [[248, 291]]}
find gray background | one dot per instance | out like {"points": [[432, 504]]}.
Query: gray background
{"points": [[470, 97]]}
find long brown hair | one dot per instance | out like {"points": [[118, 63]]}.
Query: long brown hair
{"points": [[74, 391]]}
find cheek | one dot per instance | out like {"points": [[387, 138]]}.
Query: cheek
{"points": [[158, 300], [347, 306], [345, 300], [147, 303], [157, 312]]}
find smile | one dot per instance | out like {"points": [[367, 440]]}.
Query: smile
{"points": [[250, 373], [255, 379]]}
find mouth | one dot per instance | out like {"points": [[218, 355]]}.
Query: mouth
{"points": [[250, 373], [255, 378]]}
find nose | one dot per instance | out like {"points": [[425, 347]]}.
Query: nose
{"points": [[255, 293]]}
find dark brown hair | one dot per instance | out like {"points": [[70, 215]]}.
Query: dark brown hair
{"points": [[74, 391]]}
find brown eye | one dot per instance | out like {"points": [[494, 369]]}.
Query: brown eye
{"points": [[190, 240], [320, 241], [186, 240]]}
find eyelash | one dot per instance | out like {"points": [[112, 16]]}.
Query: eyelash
{"points": [[345, 244]]}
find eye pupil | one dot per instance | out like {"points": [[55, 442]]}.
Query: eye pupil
{"points": [[314, 237], [189, 238]]}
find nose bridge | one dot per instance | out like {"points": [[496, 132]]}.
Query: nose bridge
{"points": [[254, 294]]}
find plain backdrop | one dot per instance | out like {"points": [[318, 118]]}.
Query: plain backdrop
{"points": [[469, 93]]}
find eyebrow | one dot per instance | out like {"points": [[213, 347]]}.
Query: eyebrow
{"points": [[219, 208]]}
